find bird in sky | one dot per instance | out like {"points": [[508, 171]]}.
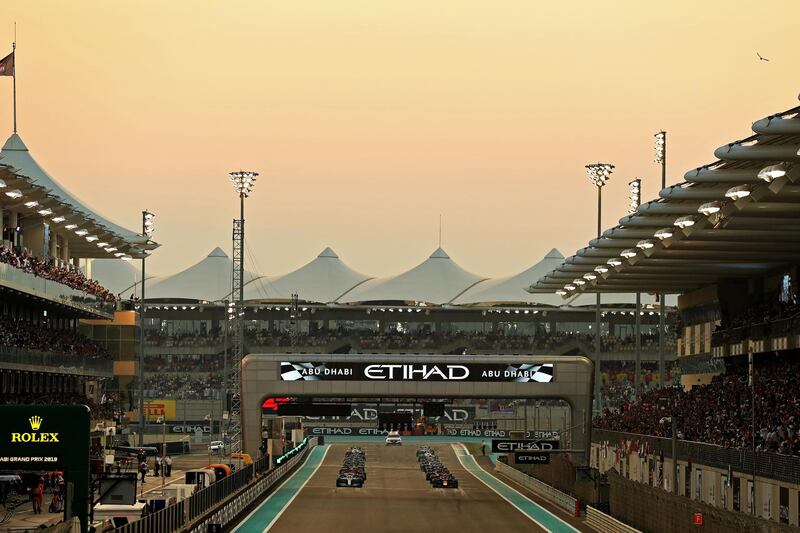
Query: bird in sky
{"points": [[761, 57]]}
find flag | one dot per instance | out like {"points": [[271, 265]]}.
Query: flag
{"points": [[7, 65]]}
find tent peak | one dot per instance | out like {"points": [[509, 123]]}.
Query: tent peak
{"points": [[217, 252], [328, 252], [439, 254], [554, 254], [15, 143]]}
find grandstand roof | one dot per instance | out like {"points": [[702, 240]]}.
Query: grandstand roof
{"points": [[208, 280], [736, 217], [37, 185], [323, 280], [438, 280]]}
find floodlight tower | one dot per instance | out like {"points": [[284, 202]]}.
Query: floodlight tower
{"points": [[148, 226], [634, 201], [243, 183], [598, 174], [661, 159]]}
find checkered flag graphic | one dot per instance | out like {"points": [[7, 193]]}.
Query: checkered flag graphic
{"points": [[299, 371], [538, 373]]}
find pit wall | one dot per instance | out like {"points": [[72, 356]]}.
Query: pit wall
{"points": [[707, 489]]}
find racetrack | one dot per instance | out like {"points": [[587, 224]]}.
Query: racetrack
{"points": [[397, 498]]}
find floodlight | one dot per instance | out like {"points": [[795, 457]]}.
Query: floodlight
{"points": [[769, 173], [663, 233], [709, 208], [740, 191]]}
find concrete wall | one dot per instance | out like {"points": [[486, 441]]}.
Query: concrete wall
{"points": [[657, 511], [715, 487]]}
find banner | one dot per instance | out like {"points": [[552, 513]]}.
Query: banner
{"points": [[313, 430], [529, 458], [366, 413], [165, 409], [482, 372], [527, 445]]}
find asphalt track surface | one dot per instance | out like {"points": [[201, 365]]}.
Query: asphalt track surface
{"points": [[395, 498]]}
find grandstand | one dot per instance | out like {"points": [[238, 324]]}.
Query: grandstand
{"points": [[49, 239], [726, 241]]}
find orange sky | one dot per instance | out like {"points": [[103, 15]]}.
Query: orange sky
{"points": [[368, 119]]}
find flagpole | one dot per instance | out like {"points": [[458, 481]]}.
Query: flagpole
{"points": [[14, 76]]}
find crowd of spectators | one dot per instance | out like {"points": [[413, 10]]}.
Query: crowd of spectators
{"points": [[183, 363], [23, 334], [417, 339], [72, 277], [721, 412], [761, 314], [107, 408], [183, 386]]}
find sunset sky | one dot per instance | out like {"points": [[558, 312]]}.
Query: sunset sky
{"points": [[369, 119]]}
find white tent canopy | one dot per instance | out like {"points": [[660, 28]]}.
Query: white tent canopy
{"points": [[120, 277], [36, 184], [511, 289], [437, 280], [323, 280], [208, 280]]}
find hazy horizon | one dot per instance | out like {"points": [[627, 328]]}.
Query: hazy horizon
{"points": [[368, 120]]}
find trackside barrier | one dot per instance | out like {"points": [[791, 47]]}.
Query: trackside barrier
{"points": [[565, 501], [219, 503], [600, 521], [237, 503], [169, 519]]}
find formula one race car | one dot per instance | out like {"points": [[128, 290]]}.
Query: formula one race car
{"points": [[435, 471], [353, 472], [444, 481], [349, 479]]}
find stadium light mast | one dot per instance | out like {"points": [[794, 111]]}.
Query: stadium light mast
{"points": [[243, 183], [598, 174], [661, 159], [635, 200], [148, 226]]}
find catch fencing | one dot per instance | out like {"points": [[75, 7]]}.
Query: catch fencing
{"points": [[220, 503]]}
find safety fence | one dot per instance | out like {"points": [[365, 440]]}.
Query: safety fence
{"points": [[763, 464], [600, 521], [565, 501], [169, 519], [219, 503], [227, 514]]}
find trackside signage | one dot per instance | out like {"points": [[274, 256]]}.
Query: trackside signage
{"points": [[356, 371], [448, 432], [531, 458], [43, 438], [509, 446]]}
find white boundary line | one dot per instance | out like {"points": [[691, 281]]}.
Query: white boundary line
{"points": [[277, 516], [460, 460], [254, 511]]}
